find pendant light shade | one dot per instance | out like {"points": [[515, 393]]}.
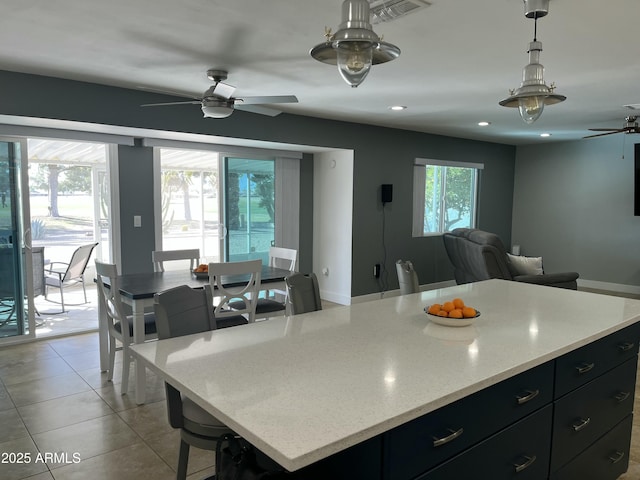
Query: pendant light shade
{"points": [[533, 94], [355, 47]]}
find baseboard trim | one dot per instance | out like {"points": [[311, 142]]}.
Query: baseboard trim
{"points": [[608, 286], [335, 298], [344, 300], [396, 293]]}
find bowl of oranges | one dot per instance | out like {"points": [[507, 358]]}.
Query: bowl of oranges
{"points": [[452, 313], [202, 271]]}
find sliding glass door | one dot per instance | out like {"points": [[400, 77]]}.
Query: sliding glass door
{"points": [[224, 206], [189, 216], [16, 266], [249, 208]]}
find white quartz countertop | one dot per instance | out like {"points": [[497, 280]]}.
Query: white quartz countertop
{"points": [[302, 388]]}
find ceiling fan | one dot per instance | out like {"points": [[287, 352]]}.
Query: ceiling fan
{"points": [[630, 127], [218, 102]]}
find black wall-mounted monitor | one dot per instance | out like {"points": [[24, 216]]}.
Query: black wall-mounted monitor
{"points": [[636, 184]]}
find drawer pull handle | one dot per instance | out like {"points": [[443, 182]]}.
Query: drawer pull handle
{"points": [[622, 396], [625, 347], [585, 367], [528, 396], [615, 458], [581, 424], [438, 442], [526, 464]]}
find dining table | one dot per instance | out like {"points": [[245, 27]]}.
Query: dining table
{"points": [[138, 289]]}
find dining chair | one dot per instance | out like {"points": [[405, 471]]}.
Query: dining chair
{"points": [[407, 277], [183, 311], [72, 273], [279, 257], [160, 256], [235, 305], [119, 325], [303, 293]]}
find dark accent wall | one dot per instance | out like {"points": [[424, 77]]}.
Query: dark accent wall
{"points": [[135, 168], [381, 155]]}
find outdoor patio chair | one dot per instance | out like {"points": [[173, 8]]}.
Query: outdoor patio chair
{"points": [[72, 274]]}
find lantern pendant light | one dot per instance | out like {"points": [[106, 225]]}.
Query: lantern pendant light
{"points": [[533, 93], [355, 47]]}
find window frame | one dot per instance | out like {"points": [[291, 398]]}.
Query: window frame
{"points": [[419, 186]]}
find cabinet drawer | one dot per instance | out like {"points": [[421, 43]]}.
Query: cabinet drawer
{"points": [[586, 363], [520, 452], [421, 444], [583, 416], [606, 459]]}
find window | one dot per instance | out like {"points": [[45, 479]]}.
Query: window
{"points": [[444, 196]]}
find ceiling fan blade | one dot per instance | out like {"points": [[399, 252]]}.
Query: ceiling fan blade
{"points": [[271, 112], [224, 90], [268, 99], [606, 129], [171, 103], [602, 134], [173, 93]]}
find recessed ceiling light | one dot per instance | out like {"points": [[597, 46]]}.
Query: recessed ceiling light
{"points": [[484, 124], [397, 108], [545, 134]]}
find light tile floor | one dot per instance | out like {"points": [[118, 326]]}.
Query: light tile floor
{"points": [[59, 410], [55, 402]]}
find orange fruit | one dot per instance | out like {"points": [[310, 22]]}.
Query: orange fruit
{"points": [[459, 304], [434, 309], [456, 313], [468, 312], [448, 306], [442, 313]]}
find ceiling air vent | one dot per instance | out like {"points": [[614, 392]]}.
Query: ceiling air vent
{"points": [[388, 10]]}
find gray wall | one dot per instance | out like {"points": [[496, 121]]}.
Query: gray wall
{"points": [[381, 155], [573, 205], [136, 198]]}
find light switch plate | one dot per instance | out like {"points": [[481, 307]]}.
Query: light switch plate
{"points": [[137, 221]]}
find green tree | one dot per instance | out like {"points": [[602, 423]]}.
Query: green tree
{"points": [[76, 179], [233, 200], [451, 185], [58, 179], [264, 188], [179, 180]]}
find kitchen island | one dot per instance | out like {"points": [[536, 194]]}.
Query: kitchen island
{"points": [[377, 390]]}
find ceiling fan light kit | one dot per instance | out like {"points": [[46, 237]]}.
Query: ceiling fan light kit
{"points": [[218, 102], [533, 93], [355, 47]]}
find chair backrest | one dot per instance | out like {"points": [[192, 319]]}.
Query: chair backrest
{"points": [[37, 259], [281, 257], [476, 255], [79, 261], [110, 298], [160, 256], [303, 293], [183, 310], [247, 275], [407, 277]]}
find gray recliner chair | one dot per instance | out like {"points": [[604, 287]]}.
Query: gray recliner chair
{"points": [[478, 255]]}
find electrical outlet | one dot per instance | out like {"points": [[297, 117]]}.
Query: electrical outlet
{"points": [[376, 270]]}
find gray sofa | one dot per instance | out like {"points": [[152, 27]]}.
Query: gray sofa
{"points": [[479, 255]]}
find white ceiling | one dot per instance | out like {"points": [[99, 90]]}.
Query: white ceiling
{"points": [[459, 58]]}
